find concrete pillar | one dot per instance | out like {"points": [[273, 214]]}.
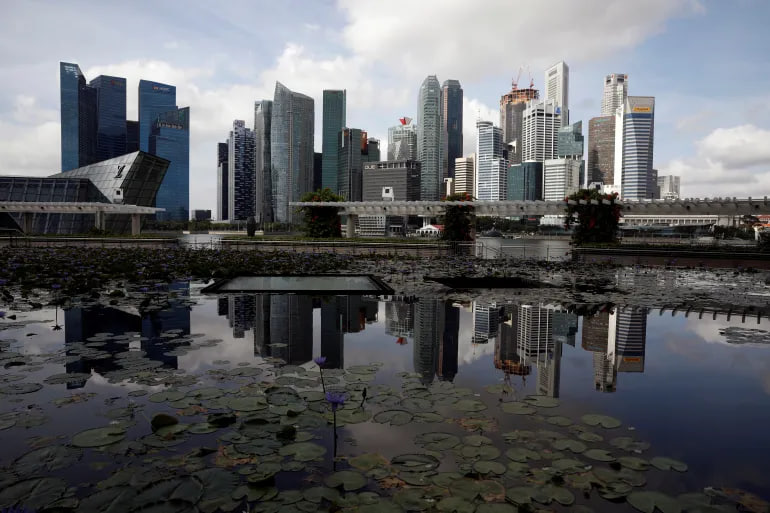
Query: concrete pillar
{"points": [[350, 231], [136, 224], [99, 220], [26, 222]]}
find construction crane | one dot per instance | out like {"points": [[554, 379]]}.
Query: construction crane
{"points": [[515, 83]]}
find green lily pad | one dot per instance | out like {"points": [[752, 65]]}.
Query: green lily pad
{"points": [[368, 461], [34, 493], [98, 437], [599, 455], [455, 505], [427, 417], [318, 493], [249, 403], [662, 463], [489, 467], [522, 454], [186, 489], [67, 378], [518, 408], [559, 420], [110, 500], [499, 388], [415, 462], [568, 465], [629, 444], [646, 502], [412, 499], [381, 506], [303, 451], [483, 452], [624, 475], [601, 420], [570, 445], [590, 436], [542, 401], [166, 396], [20, 388], [445, 479], [477, 440], [437, 441], [356, 416], [349, 480], [469, 405], [614, 491], [634, 463], [45, 460], [496, 508], [393, 417], [416, 478]]}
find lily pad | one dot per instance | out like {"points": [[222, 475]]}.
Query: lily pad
{"points": [[455, 505], [45, 460], [629, 444], [415, 462], [542, 401], [599, 455], [469, 405], [634, 463], [34, 493], [303, 451], [559, 420], [318, 493], [349, 480], [483, 452], [518, 408], [437, 441], [166, 396], [571, 445], [20, 388], [601, 420], [522, 454], [496, 508], [489, 467], [646, 502], [98, 437], [662, 463], [368, 461], [249, 403], [393, 417]]}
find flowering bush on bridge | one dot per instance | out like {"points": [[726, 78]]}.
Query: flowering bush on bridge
{"points": [[596, 220], [321, 222]]}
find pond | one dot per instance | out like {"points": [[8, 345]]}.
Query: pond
{"points": [[215, 403]]}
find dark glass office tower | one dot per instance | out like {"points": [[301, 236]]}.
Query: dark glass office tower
{"points": [[223, 183], [132, 136], [170, 139], [450, 343], [263, 112], [78, 118], [154, 99], [241, 195], [110, 116], [333, 121], [452, 125], [349, 165]]}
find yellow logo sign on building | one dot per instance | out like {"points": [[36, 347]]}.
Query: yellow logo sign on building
{"points": [[641, 109]]}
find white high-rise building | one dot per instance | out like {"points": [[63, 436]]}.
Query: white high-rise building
{"points": [[491, 163], [464, 174], [561, 177], [402, 141], [669, 186], [429, 132], [540, 130], [557, 88], [615, 93], [634, 134]]}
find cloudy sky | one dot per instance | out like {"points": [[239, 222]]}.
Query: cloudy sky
{"points": [[705, 61]]}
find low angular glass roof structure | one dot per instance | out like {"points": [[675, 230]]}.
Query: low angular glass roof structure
{"points": [[302, 284]]}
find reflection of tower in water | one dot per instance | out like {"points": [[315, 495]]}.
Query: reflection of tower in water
{"points": [[291, 328], [450, 344], [399, 318], [332, 335], [428, 330], [630, 340], [618, 341], [506, 356], [241, 313], [486, 319]]}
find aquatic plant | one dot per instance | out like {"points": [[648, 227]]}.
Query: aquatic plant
{"points": [[320, 361]]}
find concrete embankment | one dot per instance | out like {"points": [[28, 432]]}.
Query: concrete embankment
{"points": [[678, 257]]}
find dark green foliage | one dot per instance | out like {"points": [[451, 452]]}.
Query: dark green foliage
{"points": [[321, 222], [595, 220], [764, 241], [459, 220], [251, 226]]}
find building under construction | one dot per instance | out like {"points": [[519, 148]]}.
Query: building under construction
{"points": [[511, 110]]}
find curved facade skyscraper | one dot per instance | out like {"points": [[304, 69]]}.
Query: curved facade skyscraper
{"points": [[429, 131], [291, 142]]}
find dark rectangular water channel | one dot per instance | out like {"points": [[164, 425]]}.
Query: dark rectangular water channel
{"points": [[503, 393]]}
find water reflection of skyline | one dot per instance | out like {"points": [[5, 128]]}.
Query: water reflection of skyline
{"points": [[525, 338]]}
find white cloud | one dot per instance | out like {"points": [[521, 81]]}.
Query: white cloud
{"points": [[468, 39], [474, 110], [733, 161]]}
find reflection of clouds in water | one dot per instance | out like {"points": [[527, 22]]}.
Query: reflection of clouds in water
{"points": [[38, 322], [709, 329], [97, 380]]}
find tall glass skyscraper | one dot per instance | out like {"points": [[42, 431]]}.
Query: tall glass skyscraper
{"points": [[492, 163], [78, 118], [154, 99], [170, 139], [452, 125], [634, 134], [110, 116], [223, 183], [241, 167], [263, 113], [429, 131], [350, 164], [291, 144], [334, 114]]}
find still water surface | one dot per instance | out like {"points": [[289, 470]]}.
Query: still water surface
{"points": [[696, 390]]}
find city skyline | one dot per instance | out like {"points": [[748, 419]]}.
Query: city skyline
{"points": [[705, 133]]}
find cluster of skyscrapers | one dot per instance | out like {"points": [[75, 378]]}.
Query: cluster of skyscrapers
{"points": [[94, 129]]}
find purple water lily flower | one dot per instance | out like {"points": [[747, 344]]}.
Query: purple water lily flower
{"points": [[320, 361], [2, 314], [55, 286], [336, 399]]}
